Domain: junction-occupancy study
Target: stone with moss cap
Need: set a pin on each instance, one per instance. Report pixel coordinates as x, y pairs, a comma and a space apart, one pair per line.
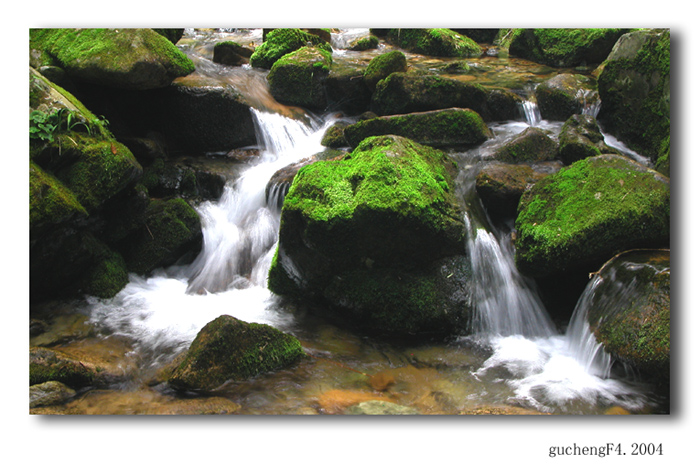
279, 42
384, 213
563, 47
383, 65
137, 59
406, 92
630, 311
587, 212
448, 127
435, 42
532, 144
227, 349
298, 77
580, 137
564, 95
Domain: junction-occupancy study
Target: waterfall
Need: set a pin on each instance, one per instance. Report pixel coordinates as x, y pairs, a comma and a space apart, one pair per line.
507, 304
530, 112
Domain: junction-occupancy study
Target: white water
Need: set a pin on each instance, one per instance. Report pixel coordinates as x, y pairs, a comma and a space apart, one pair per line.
164, 312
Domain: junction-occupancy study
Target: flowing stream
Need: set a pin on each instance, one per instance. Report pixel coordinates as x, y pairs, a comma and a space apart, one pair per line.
516, 356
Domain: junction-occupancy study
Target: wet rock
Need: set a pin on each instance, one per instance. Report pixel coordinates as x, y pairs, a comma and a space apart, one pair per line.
298, 78
49, 393
228, 349
380, 408
280, 42
124, 58
382, 66
563, 47
408, 92
635, 88
47, 364
580, 137
564, 95
448, 127
501, 185
364, 43
231, 54
334, 137
336, 401
434, 42
368, 233
579, 217
532, 144
630, 312
345, 89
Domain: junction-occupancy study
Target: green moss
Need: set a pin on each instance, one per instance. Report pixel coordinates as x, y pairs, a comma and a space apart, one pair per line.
228, 349
108, 277
383, 65
435, 42
297, 77
46, 365
280, 42
365, 43
530, 145
50, 202
588, 212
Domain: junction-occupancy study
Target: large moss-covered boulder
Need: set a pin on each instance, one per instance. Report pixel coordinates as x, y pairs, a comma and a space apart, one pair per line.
434, 42
298, 77
365, 234
563, 47
564, 95
227, 349
409, 92
382, 66
454, 126
137, 59
580, 137
50, 202
279, 42
171, 229
532, 144
635, 89
589, 211
630, 311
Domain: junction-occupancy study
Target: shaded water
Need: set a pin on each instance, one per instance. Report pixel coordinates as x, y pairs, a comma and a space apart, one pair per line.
515, 359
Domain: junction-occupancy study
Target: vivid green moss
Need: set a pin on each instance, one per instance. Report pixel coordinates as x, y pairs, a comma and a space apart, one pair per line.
435, 42
297, 77
365, 43
530, 145
590, 211
107, 277
383, 65
281, 42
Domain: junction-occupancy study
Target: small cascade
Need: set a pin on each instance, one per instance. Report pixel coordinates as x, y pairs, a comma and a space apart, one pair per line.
507, 304
276, 193
591, 102
531, 112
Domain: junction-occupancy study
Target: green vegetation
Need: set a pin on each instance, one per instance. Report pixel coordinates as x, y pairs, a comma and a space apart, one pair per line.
589, 211
435, 42
279, 42
383, 65
297, 77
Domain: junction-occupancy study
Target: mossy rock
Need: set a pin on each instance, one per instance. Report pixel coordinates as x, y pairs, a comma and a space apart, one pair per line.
563, 47
500, 186
382, 66
448, 127
364, 43
345, 89
564, 95
50, 202
172, 229
49, 393
227, 349
138, 59
47, 364
334, 137
409, 92
280, 42
435, 42
635, 89
630, 311
532, 144
589, 211
377, 214
298, 77
106, 278
503, 105
580, 137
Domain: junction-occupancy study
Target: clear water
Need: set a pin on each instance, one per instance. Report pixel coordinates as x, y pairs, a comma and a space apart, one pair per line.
515, 359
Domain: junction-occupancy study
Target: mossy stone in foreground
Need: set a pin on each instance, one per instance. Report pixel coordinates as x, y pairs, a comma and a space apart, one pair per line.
630, 312
229, 349
589, 211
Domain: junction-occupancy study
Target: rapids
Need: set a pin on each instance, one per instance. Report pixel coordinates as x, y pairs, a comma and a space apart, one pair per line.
517, 357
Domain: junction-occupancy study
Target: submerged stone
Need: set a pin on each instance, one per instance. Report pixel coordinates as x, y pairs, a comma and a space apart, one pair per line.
589, 211
229, 349
49, 393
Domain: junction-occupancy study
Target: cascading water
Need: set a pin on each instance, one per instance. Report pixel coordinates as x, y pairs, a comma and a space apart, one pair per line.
164, 312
